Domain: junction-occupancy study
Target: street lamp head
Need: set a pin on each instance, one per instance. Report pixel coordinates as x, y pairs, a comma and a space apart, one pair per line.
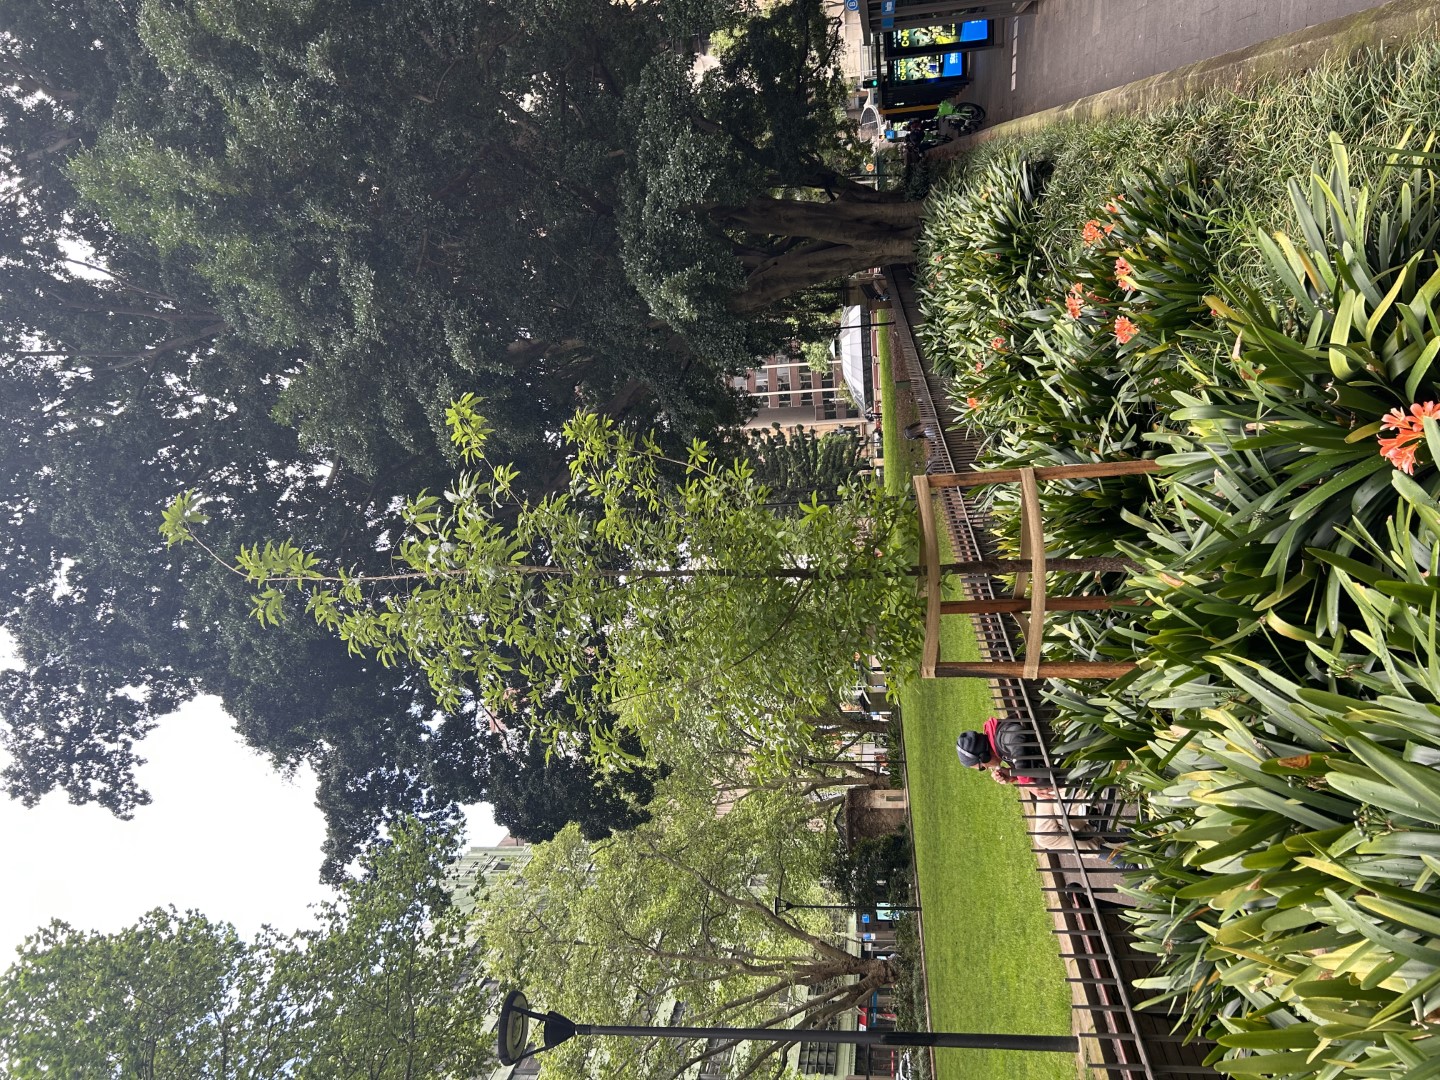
782, 906
513, 1029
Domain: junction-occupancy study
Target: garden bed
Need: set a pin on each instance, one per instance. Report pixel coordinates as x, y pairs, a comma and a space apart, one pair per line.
1216, 286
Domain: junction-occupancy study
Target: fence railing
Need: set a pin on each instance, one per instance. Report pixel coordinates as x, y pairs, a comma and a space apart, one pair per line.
1121, 1039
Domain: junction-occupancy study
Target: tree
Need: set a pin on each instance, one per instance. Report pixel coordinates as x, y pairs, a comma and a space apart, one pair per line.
645, 601
549, 791
799, 464
409, 200
83, 483
431, 185
160, 998
739, 197
384, 988
107, 410
676, 914
289, 216
876, 870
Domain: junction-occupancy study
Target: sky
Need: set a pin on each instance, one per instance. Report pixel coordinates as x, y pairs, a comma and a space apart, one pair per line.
225, 834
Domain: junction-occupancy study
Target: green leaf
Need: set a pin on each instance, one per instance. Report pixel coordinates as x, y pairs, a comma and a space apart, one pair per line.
1294, 1036
1317, 498
1264, 1064
1417, 374
1342, 363
1418, 782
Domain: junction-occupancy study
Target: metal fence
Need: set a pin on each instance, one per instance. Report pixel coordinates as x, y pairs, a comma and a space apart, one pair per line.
1083, 894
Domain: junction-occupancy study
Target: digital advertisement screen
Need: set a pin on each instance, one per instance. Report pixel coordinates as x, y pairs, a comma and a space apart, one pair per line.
917, 37
924, 68
974, 32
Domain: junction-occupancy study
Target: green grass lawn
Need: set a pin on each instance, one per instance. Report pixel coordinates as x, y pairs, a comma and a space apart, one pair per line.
991, 959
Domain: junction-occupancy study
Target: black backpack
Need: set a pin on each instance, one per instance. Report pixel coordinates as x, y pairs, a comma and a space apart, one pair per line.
1012, 743
973, 748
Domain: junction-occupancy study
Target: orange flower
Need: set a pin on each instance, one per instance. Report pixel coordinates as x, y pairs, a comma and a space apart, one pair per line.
1125, 330
1413, 421
972, 403
1430, 409
1091, 232
1399, 449
1124, 274
1077, 288
997, 343
979, 367
1108, 228
1073, 306
1113, 207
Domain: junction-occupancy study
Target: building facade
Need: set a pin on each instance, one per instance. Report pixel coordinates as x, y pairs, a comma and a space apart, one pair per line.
786, 391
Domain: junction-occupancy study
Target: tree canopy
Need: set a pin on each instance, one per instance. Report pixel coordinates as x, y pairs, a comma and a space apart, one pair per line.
676, 919
674, 610
260, 249
799, 465
385, 987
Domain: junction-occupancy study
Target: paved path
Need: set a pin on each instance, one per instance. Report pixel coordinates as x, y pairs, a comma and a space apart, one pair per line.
1067, 49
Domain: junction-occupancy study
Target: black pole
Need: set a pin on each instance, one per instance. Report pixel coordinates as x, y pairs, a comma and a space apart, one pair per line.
1059, 1044
785, 905
513, 1028
782, 906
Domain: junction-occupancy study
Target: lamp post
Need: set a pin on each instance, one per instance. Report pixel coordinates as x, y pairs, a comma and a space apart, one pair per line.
782, 906
513, 1033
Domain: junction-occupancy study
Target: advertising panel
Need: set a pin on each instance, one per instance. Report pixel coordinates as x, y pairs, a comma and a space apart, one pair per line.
910, 69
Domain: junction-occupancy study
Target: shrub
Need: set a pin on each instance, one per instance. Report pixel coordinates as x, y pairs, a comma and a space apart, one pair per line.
1283, 729
874, 871
1295, 834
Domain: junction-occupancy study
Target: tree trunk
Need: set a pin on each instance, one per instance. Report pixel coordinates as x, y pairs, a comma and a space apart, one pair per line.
848, 234
856, 723
820, 971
